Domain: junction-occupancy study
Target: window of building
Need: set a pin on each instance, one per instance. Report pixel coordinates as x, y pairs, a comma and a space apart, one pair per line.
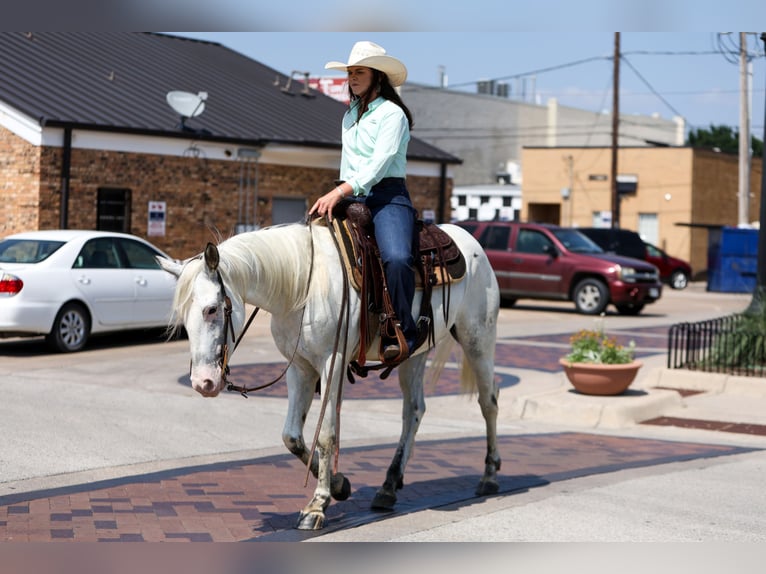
473, 213
507, 201
288, 209
113, 210
461, 200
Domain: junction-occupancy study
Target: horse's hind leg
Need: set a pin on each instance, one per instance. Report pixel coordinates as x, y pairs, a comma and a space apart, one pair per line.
488, 395
478, 339
413, 409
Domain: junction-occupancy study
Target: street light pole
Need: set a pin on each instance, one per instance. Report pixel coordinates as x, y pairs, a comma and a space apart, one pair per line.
759, 295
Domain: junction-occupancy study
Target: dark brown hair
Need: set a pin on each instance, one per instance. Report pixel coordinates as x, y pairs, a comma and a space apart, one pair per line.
382, 85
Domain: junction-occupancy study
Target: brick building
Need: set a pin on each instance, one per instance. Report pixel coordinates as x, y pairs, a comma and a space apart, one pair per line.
88, 140
670, 195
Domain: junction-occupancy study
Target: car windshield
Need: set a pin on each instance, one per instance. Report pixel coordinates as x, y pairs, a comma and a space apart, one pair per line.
575, 241
27, 250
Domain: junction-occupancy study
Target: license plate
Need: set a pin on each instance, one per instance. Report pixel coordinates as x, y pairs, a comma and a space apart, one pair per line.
654, 292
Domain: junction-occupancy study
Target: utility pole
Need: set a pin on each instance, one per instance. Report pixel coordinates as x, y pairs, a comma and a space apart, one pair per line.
744, 133
759, 296
570, 170
615, 130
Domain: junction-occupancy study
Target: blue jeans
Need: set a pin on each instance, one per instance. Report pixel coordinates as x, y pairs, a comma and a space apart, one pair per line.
394, 219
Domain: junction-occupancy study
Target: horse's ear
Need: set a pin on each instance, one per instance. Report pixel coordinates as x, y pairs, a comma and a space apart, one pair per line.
172, 267
211, 257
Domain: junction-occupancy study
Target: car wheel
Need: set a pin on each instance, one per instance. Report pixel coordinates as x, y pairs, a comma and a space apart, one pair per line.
591, 296
630, 308
679, 280
71, 329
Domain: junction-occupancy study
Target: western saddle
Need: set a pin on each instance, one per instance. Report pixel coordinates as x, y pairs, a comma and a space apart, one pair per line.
438, 261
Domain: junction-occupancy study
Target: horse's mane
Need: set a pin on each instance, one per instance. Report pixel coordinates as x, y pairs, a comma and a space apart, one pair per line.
277, 259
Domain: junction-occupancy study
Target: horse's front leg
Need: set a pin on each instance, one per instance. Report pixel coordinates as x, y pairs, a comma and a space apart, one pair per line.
413, 409
301, 387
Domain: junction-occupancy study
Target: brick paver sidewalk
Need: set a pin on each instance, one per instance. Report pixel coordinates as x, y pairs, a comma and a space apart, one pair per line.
253, 499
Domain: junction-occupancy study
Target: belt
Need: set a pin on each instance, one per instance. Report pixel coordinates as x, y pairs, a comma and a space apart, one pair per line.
385, 180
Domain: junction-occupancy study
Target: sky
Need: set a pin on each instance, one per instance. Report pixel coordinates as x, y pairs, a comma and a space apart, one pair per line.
695, 75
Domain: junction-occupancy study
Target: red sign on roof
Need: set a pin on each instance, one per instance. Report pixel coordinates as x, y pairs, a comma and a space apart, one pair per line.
336, 88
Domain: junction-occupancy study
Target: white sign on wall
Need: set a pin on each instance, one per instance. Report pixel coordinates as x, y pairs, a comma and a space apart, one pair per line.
157, 211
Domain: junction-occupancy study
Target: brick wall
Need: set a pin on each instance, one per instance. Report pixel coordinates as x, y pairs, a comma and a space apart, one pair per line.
201, 195
19, 184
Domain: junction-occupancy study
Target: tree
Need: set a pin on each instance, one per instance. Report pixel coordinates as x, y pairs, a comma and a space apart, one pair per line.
723, 138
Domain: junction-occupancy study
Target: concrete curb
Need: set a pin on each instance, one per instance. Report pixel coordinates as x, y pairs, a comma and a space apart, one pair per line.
566, 406
707, 382
655, 394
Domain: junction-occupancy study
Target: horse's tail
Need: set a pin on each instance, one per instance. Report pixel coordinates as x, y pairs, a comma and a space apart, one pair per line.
441, 355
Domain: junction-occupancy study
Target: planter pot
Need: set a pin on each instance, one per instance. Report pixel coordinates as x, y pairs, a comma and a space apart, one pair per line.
591, 379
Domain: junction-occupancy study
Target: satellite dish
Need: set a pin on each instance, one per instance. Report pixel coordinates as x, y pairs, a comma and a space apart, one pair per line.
186, 104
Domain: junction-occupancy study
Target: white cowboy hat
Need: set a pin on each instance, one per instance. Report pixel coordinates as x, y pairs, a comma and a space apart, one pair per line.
371, 55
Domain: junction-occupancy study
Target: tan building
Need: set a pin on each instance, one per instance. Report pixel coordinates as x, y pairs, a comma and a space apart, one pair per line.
670, 195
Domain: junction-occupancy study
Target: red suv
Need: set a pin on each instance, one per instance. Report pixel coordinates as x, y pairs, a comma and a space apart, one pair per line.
537, 261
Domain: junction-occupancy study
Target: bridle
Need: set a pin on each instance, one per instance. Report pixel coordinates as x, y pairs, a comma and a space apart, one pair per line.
228, 328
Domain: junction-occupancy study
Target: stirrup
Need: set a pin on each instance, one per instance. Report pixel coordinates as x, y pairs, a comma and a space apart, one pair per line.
391, 352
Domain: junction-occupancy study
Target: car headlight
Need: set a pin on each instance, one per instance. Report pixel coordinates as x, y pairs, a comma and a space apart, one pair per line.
627, 274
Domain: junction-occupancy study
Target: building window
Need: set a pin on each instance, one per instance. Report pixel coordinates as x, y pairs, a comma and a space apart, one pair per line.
461, 200
113, 211
507, 201
473, 213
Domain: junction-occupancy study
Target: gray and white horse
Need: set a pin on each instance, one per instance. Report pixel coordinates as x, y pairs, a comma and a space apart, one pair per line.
294, 272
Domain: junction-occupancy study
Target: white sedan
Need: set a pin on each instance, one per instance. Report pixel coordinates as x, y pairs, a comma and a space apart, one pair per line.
68, 284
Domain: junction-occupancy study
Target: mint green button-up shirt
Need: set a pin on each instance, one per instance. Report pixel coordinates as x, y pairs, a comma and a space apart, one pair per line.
374, 147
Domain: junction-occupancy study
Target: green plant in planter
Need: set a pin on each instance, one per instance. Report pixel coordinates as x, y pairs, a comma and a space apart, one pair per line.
744, 346
593, 346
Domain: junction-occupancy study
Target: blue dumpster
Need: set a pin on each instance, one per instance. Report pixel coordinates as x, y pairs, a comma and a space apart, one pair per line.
733, 260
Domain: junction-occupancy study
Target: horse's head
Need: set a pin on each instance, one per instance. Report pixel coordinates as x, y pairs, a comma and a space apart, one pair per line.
210, 315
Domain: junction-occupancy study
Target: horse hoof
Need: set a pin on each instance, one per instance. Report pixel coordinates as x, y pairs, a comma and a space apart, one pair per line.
340, 487
310, 521
487, 487
383, 501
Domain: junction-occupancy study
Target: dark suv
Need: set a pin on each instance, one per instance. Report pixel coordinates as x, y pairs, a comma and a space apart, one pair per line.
536, 261
676, 272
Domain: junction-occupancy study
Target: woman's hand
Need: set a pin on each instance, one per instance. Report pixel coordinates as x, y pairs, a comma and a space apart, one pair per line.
323, 206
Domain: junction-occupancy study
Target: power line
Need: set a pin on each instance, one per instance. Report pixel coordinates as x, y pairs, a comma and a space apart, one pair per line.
541, 70
648, 85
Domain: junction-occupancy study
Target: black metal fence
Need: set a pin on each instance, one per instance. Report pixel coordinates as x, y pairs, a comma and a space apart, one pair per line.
735, 344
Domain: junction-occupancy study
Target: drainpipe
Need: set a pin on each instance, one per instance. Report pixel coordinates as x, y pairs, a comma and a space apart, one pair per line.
66, 164
442, 193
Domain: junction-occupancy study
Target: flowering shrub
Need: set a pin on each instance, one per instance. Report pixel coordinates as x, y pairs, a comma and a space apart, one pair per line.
593, 346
